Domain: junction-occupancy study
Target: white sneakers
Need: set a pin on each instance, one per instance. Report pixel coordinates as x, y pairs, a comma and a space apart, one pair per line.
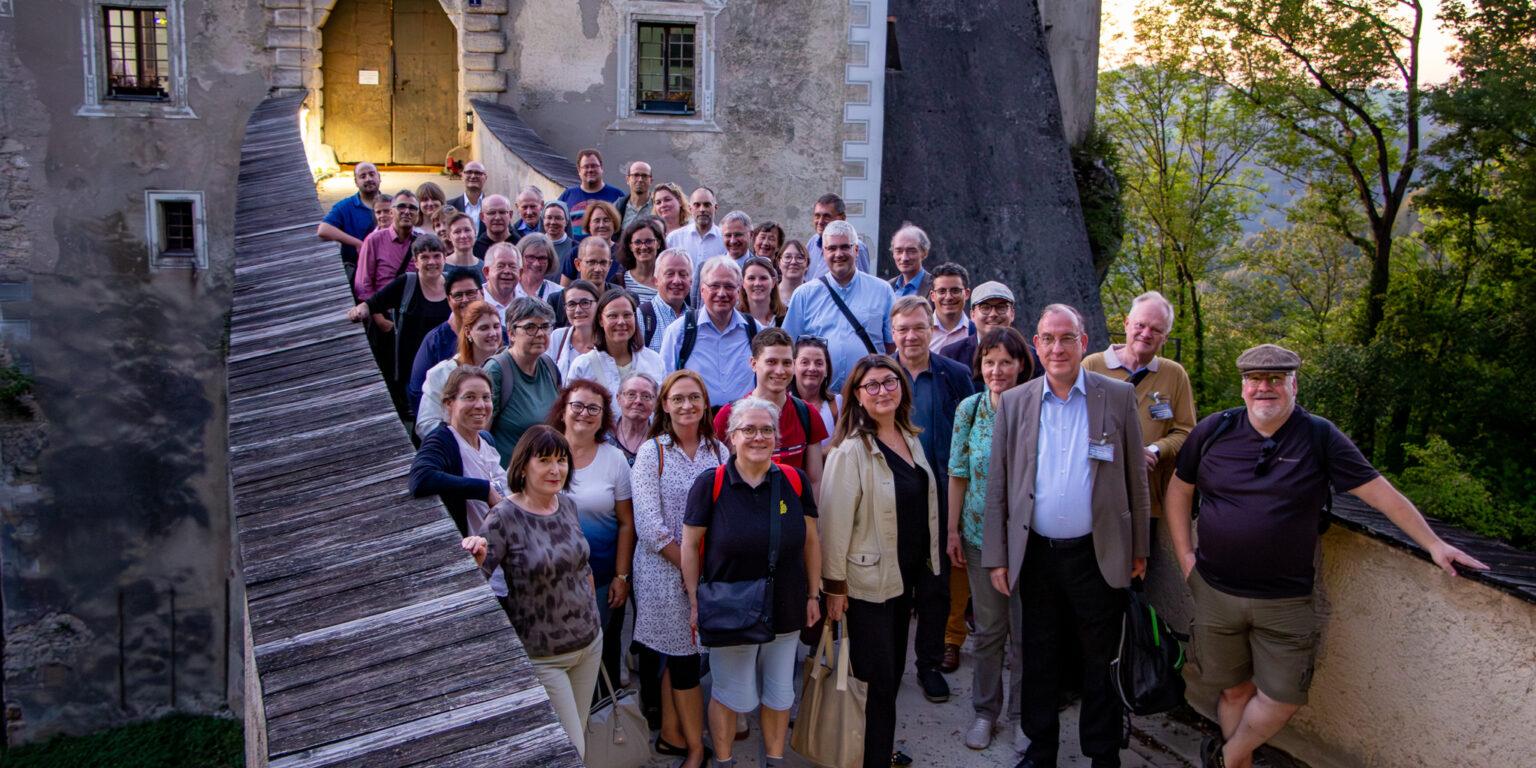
980, 734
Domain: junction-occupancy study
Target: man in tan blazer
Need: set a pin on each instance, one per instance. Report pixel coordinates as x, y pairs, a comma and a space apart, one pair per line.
1067, 525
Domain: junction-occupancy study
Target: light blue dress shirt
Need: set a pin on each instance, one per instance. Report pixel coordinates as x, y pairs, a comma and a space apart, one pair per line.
1063, 488
813, 313
722, 358
819, 264
909, 287
664, 318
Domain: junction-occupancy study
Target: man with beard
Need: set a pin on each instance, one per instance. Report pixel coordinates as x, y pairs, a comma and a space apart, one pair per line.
351, 219
637, 204
1266, 473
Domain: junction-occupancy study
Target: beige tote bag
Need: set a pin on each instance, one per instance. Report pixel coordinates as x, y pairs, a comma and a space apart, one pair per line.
829, 731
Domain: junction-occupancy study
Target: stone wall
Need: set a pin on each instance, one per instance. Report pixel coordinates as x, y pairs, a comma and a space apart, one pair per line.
115, 551
1415, 667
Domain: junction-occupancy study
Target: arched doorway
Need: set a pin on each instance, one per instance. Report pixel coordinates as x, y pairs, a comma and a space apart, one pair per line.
390, 70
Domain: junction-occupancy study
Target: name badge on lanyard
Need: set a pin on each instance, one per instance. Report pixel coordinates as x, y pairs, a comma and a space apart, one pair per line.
1101, 449
1160, 409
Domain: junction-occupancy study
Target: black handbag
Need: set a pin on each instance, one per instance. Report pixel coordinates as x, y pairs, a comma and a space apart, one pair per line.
741, 612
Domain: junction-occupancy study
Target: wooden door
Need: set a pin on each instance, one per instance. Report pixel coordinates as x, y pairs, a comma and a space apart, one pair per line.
356, 66
424, 119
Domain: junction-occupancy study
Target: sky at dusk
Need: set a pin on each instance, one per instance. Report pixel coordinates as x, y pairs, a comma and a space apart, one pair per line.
1115, 40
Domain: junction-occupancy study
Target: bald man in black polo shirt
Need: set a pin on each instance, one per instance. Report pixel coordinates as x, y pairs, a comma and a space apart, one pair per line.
1264, 472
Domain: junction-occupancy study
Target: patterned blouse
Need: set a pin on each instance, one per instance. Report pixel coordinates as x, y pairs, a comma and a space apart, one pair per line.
660, 496
549, 583
970, 454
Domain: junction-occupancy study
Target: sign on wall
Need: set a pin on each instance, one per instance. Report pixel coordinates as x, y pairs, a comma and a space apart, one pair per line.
367, 77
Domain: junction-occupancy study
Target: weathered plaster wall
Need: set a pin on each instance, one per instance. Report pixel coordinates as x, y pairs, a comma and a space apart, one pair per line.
778, 91
509, 170
1415, 668
116, 553
1072, 38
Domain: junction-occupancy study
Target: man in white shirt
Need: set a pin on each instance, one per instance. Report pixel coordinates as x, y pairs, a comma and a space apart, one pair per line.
701, 238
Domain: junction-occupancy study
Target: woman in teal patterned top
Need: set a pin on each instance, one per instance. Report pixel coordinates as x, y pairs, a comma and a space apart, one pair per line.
1003, 360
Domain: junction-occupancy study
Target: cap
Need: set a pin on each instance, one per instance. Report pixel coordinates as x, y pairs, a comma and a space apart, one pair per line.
1268, 357
991, 290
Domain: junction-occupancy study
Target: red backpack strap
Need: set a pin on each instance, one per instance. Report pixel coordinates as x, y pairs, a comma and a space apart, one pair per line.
719, 481
789, 474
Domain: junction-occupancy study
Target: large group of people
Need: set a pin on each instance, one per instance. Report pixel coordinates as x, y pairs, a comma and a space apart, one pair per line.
637, 413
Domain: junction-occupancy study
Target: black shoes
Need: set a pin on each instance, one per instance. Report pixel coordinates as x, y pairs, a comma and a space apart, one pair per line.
935, 687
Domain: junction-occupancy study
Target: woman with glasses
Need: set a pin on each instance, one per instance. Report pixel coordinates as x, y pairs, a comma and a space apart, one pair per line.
726, 535
759, 292
682, 447
617, 349
877, 482
1002, 359
524, 379
556, 220
811, 383
670, 205
637, 405
579, 300
457, 461
533, 539
480, 337
600, 489
404, 312
532, 280
638, 247
793, 262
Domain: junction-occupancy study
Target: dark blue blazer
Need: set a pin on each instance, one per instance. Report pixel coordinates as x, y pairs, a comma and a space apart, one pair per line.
438, 470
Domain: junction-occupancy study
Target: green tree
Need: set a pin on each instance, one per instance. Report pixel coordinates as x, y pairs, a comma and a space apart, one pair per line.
1341, 77
1184, 145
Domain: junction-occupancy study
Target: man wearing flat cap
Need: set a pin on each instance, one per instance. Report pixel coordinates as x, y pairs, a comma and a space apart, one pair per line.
1266, 472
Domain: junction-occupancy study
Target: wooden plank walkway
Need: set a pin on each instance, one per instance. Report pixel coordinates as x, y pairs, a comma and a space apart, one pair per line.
376, 641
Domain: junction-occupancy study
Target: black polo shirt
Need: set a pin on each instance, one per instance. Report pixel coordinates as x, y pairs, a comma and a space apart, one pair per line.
1258, 528
736, 542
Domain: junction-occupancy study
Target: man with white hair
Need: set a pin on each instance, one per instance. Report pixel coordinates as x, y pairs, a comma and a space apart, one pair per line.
674, 284
529, 204
717, 345
1165, 403
496, 220
909, 248
736, 231
503, 266
850, 309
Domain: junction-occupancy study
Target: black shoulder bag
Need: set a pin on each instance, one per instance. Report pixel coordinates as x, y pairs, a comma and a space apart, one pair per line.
741, 612
858, 327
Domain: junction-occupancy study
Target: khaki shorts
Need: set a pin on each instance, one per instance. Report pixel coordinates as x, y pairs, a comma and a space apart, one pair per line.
1272, 642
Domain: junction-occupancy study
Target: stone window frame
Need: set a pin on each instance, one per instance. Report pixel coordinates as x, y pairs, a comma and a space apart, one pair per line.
154, 227
94, 64
701, 14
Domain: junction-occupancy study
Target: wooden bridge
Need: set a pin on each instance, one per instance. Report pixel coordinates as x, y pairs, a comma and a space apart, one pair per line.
371, 638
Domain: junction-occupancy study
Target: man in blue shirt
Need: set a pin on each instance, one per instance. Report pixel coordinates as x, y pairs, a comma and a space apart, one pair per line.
351, 219
589, 166
938, 386
721, 351
909, 248
865, 328
674, 284
829, 208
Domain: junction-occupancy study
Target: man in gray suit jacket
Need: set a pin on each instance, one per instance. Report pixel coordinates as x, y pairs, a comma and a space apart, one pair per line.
1067, 524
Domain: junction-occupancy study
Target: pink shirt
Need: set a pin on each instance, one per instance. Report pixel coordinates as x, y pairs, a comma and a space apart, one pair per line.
380, 259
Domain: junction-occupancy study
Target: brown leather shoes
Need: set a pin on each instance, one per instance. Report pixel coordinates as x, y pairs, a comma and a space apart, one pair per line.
951, 660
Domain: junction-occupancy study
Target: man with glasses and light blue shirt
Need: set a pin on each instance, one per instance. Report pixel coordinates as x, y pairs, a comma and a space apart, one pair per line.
716, 343
830, 208
851, 310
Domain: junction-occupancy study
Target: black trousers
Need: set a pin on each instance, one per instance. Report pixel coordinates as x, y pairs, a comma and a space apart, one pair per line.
932, 599
1066, 600
877, 642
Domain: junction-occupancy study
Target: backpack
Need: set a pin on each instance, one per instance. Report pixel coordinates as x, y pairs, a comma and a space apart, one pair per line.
1147, 671
790, 475
691, 336
1320, 431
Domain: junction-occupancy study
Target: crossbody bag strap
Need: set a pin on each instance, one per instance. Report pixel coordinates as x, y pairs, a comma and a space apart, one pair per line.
774, 532
858, 327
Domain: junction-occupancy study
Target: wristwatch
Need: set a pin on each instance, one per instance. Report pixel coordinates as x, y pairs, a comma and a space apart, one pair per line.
623, 576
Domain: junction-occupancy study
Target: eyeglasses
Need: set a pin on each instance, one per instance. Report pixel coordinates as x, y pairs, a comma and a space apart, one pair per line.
948, 291
756, 433
889, 384
464, 295
407, 207
793, 257
637, 243
639, 175
1272, 380
990, 308
837, 248
533, 329
497, 214
590, 409
473, 173
693, 397
1066, 340
630, 397
580, 303
1266, 453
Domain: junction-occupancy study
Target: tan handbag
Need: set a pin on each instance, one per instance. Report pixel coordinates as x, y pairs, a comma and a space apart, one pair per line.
829, 731
617, 734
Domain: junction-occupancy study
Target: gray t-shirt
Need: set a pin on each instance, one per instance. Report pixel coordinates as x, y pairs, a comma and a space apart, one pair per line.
550, 598
527, 404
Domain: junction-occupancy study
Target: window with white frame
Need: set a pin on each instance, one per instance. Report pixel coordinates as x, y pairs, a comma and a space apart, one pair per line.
134, 59
666, 65
175, 229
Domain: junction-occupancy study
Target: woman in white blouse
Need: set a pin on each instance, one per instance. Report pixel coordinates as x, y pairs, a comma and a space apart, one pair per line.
574, 339
480, 338
617, 349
